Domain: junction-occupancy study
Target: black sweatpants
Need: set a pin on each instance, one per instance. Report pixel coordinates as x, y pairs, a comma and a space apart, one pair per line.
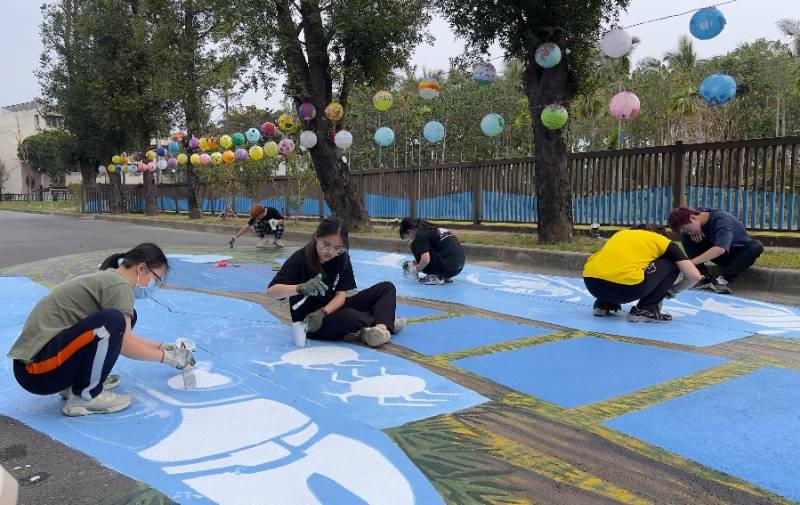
80, 357
278, 231
658, 278
374, 305
733, 262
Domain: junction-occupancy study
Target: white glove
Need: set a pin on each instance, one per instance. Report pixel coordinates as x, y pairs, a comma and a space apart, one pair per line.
178, 358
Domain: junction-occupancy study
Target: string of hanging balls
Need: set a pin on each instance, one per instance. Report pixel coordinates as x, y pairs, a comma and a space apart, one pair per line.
716, 89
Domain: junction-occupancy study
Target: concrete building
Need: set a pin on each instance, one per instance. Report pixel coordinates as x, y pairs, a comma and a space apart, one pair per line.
17, 122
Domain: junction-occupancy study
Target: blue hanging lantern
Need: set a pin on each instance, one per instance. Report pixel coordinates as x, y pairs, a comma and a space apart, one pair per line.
384, 136
253, 135
433, 132
707, 23
492, 124
718, 89
161, 151
174, 147
548, 55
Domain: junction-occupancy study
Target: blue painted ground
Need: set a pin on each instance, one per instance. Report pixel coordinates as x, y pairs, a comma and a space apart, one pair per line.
236, 277
746, 427
580, 371
459, 333
18, 295
412, 311
701, 318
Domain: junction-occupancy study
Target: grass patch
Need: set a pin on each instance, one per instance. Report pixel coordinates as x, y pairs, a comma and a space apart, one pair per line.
780, 258
70, 206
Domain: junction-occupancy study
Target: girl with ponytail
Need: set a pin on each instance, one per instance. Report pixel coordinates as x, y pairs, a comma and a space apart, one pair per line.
437, 252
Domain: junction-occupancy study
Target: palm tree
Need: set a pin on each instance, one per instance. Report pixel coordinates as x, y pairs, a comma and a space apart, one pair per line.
683, 57
791, 28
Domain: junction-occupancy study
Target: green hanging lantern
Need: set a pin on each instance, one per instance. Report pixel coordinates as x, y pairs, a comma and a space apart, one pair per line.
554, 117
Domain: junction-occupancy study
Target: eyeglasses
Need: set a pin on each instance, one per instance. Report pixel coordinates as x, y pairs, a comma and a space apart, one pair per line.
159, 281
327, 247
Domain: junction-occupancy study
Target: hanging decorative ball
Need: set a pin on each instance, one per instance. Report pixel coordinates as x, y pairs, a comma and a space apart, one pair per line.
203, 143
238, 139
194, 159
286, 147
256, 153
241, 154
111, 169
285, 122
718, 89
268, 129
141, 166
308, 139
101, 169
616, 43
182, 159
548, 55
174, 147
151, 166
194, 144
179, 136
253, 135
162, 164
624, 105
707, 23
151, 155
306, 111
334, 111
212, 143
226, 142
484, 72
172, 163
433, 131
492, 124
228, 157
131, 169
216, 158
205, 159
271, 149
123, 159
343, 139
161, 151
123, 168
384, 136
383, 100
115, 159
428, 89
554, 117
137, 156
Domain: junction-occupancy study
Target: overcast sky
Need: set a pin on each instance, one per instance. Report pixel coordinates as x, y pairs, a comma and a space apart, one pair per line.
747, 20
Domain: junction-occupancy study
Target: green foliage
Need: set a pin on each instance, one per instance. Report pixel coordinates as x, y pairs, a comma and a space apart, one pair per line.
51, 152
300, 175
238, 178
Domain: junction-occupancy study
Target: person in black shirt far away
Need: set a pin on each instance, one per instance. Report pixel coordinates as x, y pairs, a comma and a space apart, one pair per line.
437, 252
717, 236
265, 221
316, 280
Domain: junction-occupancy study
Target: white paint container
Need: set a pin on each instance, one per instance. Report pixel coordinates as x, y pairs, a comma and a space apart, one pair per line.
299, 332
186, 343
9, 489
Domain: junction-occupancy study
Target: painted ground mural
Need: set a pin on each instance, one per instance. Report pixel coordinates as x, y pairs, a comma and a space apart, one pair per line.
503, 389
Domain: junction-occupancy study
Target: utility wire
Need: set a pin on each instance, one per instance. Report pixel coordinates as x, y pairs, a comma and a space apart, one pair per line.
654, 20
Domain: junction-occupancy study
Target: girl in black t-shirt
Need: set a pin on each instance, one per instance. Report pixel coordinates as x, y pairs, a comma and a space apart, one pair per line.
316, 279
437, 252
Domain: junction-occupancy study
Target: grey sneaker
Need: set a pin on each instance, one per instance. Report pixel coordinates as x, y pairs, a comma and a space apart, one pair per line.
111, 382
720, 285
277, 243
375, 337
104, 403
431, 280
399, 324
263, 243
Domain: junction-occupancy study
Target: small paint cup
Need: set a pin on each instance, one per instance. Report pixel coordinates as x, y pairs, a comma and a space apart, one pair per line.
185, 343
299, 332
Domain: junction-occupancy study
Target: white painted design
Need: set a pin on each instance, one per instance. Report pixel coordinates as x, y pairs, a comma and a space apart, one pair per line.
392, 260
526, 285
385, 386
775, 318
311, 358
232, 454
199, 258
204, 377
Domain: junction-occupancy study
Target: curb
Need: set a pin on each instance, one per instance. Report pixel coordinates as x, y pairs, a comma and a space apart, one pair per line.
782, 281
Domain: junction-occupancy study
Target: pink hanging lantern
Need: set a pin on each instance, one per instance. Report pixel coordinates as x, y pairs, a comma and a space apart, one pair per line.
624, 105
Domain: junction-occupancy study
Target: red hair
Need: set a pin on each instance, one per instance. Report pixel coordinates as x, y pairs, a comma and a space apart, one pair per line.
256, 210
680, 217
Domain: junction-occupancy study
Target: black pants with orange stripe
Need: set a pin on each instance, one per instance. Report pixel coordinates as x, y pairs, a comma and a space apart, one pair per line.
80, 357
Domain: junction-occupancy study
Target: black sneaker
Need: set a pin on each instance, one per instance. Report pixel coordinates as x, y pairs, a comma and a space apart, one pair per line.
704, 283
602, 309
720, 285
431, 279
448, 280
637, 315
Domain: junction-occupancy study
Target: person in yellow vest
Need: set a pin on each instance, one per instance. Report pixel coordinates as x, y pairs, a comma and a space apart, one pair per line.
638, 264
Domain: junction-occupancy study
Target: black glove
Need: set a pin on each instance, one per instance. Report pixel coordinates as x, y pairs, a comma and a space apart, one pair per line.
232, 240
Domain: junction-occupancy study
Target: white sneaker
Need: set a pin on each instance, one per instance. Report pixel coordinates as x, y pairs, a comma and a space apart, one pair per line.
277, 243
106, 402
263, 243
111, 382
375, 337
399, 324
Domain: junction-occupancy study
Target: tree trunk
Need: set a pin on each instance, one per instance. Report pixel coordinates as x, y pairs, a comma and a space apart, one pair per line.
150, 207
337, 186
192, 107
115, 198
554, 199
88, 174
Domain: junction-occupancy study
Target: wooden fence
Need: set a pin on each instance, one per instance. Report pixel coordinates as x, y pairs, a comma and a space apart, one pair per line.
756, 180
